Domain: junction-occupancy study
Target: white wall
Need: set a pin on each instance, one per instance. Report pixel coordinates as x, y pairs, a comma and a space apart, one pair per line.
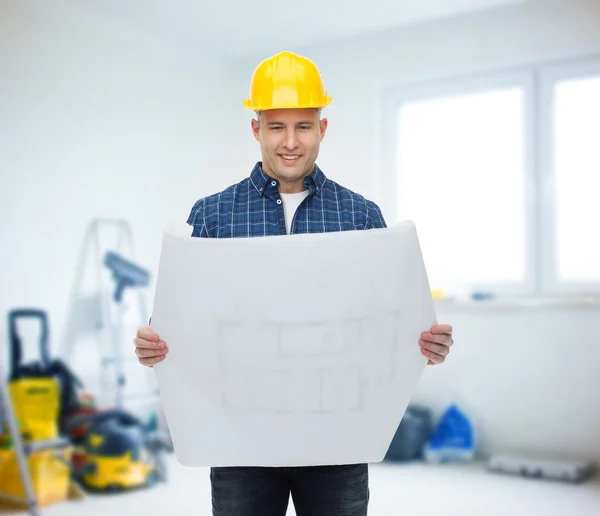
96, 121
528, 377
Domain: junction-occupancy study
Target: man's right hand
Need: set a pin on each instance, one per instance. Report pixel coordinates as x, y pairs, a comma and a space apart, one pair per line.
148, 347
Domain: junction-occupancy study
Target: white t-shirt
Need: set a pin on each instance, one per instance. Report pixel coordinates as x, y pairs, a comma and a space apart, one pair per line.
291, 201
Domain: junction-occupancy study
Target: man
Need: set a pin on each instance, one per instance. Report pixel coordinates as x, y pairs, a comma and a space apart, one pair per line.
287, 193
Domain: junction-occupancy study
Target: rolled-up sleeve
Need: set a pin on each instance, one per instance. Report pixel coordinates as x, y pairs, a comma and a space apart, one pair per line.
375, 218
197, 221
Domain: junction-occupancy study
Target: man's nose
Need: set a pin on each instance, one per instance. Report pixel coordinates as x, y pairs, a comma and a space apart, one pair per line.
290, 141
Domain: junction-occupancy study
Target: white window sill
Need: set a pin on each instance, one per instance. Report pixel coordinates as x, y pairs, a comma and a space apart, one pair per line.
519, 303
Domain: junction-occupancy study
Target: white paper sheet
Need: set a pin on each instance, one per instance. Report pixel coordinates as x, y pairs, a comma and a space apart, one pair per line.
290, 350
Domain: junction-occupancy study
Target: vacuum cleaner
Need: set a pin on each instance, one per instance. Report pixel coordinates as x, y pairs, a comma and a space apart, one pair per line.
119, 453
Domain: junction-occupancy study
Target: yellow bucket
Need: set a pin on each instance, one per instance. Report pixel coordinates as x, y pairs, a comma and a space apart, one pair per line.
49, 471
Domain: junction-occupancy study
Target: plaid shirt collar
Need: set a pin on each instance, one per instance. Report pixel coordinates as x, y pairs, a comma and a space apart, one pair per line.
266, 184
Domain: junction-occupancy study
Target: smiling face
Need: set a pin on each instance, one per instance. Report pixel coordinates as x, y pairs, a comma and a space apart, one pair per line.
289, 143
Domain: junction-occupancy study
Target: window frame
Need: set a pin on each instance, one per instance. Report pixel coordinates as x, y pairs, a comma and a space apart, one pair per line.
549, 75
393, 98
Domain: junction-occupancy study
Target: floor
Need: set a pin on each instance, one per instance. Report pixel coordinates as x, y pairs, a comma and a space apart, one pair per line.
414, 489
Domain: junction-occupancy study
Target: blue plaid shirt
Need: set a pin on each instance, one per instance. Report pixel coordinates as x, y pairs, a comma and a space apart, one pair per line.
254, 208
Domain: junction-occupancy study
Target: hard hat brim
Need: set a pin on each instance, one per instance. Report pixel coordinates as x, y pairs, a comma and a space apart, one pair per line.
257, 107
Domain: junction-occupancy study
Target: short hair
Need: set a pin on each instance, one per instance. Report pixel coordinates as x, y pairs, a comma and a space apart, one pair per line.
320, 110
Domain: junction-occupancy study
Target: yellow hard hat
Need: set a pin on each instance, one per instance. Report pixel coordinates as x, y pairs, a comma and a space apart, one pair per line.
286, 80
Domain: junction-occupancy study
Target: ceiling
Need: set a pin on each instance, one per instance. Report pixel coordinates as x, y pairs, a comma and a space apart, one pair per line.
236, 29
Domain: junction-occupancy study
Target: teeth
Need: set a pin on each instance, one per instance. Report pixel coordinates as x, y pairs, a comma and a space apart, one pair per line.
289, 157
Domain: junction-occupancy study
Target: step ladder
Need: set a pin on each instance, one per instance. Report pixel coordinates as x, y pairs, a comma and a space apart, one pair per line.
7, 417
107, 286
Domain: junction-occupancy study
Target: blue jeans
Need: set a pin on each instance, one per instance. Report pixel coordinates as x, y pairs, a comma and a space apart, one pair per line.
316, 491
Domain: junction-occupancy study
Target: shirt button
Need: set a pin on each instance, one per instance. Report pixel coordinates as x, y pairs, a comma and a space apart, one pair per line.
274, 183
278, 201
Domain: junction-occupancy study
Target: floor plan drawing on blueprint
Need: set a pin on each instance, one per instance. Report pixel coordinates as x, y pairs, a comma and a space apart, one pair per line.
317, 367
295, 365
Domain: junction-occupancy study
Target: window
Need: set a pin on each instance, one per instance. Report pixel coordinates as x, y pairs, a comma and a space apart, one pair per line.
461, 174
501, 175
576, 178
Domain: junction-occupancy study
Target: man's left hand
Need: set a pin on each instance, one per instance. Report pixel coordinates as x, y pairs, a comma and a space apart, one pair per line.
435, 344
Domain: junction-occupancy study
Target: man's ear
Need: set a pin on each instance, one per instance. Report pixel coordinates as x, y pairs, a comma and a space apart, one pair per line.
323, 127
255, 129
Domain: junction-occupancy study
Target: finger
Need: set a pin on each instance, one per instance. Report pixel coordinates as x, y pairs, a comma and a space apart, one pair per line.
149, 353
149, 362
441, 328
146, 344
433, 357
146, 333
439, 349
444, 339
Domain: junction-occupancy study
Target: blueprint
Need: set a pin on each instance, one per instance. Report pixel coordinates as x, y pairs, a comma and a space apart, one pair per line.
289, 350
